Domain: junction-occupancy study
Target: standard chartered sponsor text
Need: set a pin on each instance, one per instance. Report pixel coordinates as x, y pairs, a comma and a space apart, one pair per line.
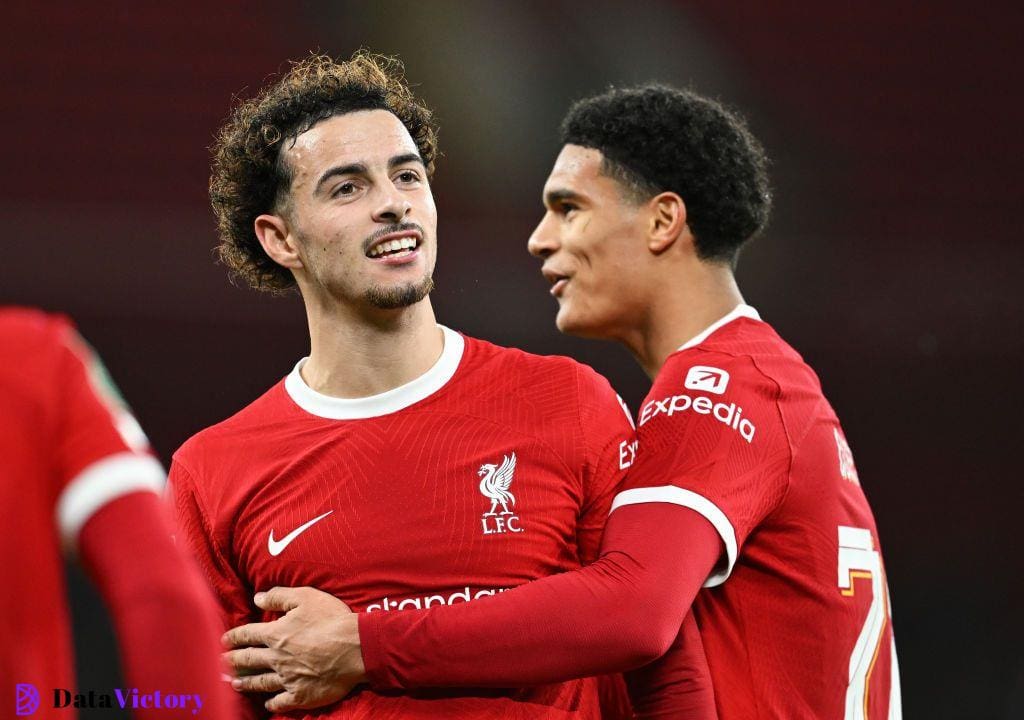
464, 594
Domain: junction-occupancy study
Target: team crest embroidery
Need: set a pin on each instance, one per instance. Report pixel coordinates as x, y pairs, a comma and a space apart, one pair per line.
495, 481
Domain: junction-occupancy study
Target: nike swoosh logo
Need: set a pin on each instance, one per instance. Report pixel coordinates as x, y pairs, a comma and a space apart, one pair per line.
277, 546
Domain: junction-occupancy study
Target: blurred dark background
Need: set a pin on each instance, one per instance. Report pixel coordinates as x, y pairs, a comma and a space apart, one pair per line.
893, 261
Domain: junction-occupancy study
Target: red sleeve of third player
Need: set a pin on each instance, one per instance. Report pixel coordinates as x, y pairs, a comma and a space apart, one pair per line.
100, 452
711, 438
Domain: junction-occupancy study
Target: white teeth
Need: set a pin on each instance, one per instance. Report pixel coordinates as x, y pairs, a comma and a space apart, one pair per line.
406, 243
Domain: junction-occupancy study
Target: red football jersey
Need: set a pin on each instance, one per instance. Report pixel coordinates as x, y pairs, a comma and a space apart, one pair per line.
494, 468
68, 446
796, 620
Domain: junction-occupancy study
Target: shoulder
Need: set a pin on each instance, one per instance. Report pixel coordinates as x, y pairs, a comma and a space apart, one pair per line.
482, 353
554, 377
747, 352
512, 367
29, 328
227, 436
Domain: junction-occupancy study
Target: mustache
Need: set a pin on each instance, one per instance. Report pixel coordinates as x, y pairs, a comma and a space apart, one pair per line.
393, 228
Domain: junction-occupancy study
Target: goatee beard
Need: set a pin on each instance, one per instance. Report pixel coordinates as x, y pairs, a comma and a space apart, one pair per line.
392, 298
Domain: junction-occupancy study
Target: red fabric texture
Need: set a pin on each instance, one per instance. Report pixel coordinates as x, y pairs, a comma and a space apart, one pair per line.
164, 616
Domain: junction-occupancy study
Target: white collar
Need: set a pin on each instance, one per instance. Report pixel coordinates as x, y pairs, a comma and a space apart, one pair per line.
741, 310
335, 408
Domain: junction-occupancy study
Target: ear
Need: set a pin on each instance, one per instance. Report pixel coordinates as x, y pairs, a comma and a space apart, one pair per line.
278, 241
667, 221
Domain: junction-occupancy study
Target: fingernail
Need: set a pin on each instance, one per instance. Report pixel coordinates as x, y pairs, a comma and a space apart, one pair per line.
259, 597
236, 684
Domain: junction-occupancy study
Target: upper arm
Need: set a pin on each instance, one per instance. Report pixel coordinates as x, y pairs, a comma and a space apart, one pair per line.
196, 533
718, 447
100, 452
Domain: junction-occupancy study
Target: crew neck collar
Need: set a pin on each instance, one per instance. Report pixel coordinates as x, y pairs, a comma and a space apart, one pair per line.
385, 403
741, 310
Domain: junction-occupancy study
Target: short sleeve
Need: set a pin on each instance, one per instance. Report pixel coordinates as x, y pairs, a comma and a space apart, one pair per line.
609, 444
194, 531
711, 438
99, 451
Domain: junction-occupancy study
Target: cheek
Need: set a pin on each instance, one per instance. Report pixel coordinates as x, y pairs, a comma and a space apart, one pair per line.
428, 214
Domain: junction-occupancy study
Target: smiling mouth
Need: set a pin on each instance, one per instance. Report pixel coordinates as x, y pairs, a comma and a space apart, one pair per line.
558, 281
394, 246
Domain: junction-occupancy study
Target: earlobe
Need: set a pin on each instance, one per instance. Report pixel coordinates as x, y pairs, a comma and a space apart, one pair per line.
277, 241
667, 222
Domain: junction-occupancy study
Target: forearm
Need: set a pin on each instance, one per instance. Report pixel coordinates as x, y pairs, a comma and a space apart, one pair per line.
619, 613
165, 620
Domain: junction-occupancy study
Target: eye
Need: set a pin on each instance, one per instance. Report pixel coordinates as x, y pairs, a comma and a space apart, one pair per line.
566, 208
346, 188
408, 176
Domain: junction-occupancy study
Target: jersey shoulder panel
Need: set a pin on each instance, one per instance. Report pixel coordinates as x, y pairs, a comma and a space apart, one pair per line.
558, 393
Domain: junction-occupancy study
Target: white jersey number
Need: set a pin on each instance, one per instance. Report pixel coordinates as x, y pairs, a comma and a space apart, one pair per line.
859, 559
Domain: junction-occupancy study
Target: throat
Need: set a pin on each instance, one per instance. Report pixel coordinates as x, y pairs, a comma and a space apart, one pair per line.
356, 360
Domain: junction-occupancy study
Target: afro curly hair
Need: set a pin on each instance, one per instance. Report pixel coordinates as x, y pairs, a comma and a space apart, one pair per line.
656, 138
248, 175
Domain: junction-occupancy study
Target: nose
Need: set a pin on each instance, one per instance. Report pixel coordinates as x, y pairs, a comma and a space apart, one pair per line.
392, 207
544, 240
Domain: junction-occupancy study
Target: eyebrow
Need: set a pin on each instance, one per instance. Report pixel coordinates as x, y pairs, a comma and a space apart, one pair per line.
360, 168
553, 197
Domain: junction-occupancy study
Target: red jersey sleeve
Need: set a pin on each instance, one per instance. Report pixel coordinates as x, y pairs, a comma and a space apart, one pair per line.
196, 532
609, 443
711, 438
99, 449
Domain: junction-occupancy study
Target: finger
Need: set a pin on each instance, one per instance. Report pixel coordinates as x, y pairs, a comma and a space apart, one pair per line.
281, 599
282, 702
251, 634
265, 683
249, 659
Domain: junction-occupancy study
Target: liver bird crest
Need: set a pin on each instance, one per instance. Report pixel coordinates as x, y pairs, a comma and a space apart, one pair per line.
494, 484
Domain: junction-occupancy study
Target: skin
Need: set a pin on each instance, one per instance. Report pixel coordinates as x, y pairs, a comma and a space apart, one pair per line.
620, 270
322, 235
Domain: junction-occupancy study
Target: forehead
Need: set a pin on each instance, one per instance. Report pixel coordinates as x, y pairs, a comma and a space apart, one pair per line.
578, 169
366, 136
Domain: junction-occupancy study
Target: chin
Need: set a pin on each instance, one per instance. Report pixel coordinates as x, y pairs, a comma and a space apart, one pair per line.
579, 325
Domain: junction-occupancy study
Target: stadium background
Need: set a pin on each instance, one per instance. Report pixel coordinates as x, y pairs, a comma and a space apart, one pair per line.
893, 262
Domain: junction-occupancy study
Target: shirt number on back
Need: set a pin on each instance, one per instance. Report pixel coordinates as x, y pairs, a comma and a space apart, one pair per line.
858, 559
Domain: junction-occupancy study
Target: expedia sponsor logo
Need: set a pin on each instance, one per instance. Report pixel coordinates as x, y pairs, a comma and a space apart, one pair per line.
728, 414
707, 378
424, 601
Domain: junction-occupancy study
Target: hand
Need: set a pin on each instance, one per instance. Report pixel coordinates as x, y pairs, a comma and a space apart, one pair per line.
311, 656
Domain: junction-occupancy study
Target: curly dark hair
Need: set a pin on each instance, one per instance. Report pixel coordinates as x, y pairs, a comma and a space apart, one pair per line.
656, 138
249, 176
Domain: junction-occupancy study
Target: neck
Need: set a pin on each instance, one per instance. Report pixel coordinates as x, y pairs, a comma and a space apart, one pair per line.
355, 353
683, 308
